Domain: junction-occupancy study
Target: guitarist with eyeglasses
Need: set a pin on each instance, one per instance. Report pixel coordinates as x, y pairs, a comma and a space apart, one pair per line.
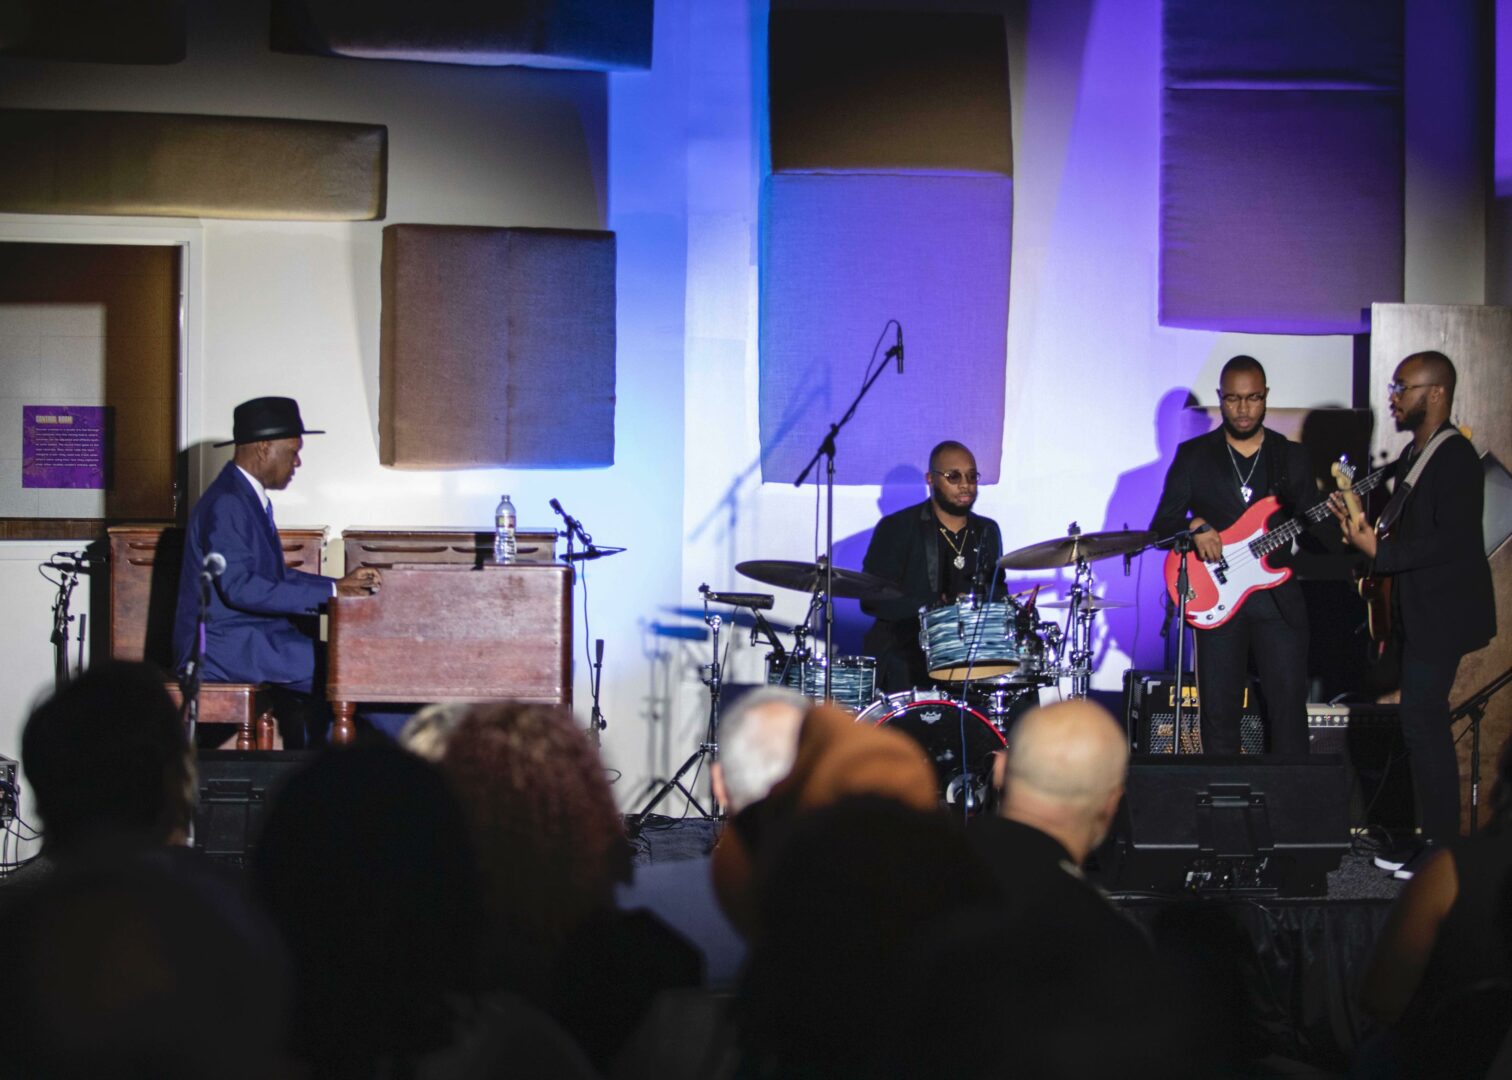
1217, 479
1428, 546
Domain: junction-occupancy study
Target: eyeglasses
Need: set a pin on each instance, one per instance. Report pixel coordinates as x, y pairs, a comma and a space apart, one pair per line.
1397, 389
1248, 399
955, 476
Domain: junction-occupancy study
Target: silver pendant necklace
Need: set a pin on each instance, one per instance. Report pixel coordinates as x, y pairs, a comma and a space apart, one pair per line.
959, 562
1245, 490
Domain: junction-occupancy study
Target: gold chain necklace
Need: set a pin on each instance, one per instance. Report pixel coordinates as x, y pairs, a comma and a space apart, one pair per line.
959, 562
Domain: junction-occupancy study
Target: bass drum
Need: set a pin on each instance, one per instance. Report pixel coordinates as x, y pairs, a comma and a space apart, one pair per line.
957, 739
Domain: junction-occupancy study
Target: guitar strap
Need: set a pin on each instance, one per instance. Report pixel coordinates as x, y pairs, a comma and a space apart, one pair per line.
1398, 500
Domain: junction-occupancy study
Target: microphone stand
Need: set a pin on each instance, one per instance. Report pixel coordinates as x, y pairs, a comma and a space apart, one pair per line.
596, 722
1475, 708
827, 450
1181, 543
68, 580
194, 673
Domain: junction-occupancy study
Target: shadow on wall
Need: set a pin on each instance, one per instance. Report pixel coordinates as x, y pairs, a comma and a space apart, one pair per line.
1139, 631
902, 486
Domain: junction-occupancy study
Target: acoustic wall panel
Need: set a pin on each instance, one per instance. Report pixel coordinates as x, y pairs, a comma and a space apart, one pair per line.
1281, 207
597, 35
95, 31
497, 347
841, 255
159, 164
890, 92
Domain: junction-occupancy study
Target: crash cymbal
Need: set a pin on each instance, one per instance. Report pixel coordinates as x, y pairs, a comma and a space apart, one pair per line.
1068, 549
807, 577
1092, 603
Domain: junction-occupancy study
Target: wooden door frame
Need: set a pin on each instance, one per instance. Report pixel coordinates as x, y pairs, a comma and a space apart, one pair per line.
188, 235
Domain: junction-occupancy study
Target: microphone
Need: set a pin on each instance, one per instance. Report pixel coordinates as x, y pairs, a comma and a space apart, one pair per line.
756, 601
214, 565
558, 508
598, 652
897, 349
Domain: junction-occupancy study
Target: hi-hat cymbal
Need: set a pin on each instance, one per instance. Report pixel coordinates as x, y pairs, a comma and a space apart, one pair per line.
808, 577
1091, 603
1067, 550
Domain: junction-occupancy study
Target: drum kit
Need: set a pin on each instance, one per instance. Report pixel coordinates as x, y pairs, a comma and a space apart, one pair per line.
988, 657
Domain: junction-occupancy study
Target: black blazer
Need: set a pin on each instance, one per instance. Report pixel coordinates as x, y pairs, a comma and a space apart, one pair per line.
1436, 555
905, 550
1201, 483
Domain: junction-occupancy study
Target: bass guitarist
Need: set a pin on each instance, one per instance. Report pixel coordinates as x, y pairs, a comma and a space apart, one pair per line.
1428, 544
1215, 478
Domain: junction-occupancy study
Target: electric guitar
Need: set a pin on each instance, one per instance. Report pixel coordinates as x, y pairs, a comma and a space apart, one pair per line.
1375, 591
1217, 590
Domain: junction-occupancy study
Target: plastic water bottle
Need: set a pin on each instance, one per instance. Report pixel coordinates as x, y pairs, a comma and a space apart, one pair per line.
504, 531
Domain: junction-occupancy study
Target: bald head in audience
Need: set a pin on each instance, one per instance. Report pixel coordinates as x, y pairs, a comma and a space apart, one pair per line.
758, 742
1064, 773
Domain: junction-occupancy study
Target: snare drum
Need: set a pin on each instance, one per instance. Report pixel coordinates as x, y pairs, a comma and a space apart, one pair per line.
853, 683
941, 726
970, 639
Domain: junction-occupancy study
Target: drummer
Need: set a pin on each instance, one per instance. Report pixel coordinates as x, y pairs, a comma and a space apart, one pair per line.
935, 552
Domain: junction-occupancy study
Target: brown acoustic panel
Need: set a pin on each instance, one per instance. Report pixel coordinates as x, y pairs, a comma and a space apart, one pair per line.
594, 35
171, 165
497, 347
97, 31
863, 91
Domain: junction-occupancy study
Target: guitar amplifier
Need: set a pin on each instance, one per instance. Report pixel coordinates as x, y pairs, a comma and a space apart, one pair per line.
1376, 767
1150, 714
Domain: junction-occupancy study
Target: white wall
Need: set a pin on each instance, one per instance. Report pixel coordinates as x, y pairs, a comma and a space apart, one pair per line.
671, 160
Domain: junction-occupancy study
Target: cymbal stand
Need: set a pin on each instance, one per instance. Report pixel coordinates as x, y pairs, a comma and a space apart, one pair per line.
827, 451
709, 748
1078, 632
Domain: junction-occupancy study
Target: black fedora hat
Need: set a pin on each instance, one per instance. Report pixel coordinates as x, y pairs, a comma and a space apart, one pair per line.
267, 418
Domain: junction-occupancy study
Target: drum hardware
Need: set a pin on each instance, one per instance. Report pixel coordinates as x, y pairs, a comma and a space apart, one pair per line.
827, 451
706, 749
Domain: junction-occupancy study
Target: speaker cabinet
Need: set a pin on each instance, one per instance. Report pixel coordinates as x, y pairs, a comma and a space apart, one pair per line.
1271, 825
235, 789
1379, 774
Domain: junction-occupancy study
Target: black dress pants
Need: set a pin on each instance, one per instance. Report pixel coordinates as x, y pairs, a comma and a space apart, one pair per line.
1426, 683
1280, 651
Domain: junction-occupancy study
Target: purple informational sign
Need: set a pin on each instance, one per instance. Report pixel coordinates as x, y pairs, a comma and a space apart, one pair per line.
63, 446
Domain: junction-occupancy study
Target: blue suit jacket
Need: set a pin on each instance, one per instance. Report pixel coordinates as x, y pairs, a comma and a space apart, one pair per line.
251, 631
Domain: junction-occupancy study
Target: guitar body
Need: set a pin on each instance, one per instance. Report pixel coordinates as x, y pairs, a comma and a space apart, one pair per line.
1376, 592
1215, 591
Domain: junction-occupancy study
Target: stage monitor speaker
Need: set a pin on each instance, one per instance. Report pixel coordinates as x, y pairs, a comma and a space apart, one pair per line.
235, 789
1379, 775
1150, 714
1271, 825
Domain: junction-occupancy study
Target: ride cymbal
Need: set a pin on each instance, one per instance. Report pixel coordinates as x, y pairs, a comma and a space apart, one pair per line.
1068, 550
809, 577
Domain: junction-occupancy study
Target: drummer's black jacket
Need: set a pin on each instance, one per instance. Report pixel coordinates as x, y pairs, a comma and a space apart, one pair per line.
905, 550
